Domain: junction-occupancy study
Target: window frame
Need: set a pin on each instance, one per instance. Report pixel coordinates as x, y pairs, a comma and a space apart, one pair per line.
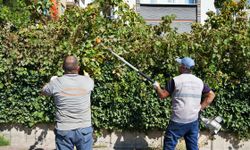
170, 3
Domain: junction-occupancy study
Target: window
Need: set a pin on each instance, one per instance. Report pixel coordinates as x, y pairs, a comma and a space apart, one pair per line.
167, 1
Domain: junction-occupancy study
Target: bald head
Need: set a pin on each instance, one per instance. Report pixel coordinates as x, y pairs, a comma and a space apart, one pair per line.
70, 65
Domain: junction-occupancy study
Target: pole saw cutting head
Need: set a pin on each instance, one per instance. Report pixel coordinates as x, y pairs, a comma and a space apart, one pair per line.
212, 124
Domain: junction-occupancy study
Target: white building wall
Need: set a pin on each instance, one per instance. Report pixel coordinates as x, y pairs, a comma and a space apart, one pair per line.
84, 3
131, 3
87, 2
206, 5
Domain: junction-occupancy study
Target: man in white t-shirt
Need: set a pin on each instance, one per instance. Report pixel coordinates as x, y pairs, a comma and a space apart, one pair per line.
71, 94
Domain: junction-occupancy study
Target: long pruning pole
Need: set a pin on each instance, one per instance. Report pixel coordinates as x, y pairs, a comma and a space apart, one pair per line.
99, 41
130, 65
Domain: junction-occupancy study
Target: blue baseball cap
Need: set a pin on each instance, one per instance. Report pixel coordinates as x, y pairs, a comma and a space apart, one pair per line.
186, 61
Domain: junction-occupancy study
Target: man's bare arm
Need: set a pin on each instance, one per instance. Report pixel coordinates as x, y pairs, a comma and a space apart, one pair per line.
209, 97
46, 90
160, 92
42, 90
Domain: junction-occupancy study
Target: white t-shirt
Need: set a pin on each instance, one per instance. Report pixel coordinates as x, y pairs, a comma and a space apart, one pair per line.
71, 94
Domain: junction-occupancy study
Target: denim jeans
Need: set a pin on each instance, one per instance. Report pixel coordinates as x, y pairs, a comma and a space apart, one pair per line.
177, 130
81, 138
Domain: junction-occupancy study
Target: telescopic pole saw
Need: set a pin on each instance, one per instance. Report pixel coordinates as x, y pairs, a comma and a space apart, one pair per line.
131, 66
213, 124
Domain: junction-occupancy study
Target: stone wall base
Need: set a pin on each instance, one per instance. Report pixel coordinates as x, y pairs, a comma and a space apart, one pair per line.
42, 137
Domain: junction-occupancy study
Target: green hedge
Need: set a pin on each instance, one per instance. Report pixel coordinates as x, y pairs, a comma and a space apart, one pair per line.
122, 99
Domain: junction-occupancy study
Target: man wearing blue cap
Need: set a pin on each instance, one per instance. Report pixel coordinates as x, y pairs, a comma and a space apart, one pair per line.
186, 91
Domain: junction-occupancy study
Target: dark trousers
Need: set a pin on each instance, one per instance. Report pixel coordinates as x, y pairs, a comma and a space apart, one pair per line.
176, 130
80, 138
